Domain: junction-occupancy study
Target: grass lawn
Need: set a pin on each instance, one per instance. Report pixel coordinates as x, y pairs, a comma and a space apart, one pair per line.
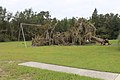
96, 57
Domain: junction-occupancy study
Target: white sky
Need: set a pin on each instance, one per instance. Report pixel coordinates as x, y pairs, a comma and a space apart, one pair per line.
64, 8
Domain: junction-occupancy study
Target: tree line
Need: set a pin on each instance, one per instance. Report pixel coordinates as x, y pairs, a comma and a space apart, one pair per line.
107, 25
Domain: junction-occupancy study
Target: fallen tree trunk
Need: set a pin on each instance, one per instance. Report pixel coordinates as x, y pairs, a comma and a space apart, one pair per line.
100, 40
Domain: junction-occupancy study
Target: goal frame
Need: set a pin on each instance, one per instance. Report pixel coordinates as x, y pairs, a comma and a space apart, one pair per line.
23, 34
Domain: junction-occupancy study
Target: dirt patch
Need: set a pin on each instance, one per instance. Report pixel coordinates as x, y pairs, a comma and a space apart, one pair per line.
25, 77
1, 72
12, 61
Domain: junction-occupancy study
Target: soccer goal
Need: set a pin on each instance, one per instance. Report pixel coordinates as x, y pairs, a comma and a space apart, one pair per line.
22, 25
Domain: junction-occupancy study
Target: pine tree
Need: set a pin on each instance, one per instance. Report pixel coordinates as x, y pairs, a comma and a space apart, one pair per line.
94, 15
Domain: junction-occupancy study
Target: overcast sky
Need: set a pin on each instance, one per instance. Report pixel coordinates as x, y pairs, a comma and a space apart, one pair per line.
64, 8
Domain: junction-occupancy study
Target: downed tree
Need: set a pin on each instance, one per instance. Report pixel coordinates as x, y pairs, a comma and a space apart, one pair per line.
80, 34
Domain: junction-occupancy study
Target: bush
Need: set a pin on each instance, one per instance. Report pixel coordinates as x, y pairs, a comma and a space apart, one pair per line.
4, 38
119, 41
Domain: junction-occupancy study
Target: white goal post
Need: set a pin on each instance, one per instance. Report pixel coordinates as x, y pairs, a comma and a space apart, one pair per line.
22, 29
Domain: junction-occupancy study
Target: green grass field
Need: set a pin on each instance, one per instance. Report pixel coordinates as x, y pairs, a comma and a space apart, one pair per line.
95, 57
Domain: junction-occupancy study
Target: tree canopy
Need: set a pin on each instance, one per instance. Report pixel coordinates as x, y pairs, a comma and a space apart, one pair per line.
107, 25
